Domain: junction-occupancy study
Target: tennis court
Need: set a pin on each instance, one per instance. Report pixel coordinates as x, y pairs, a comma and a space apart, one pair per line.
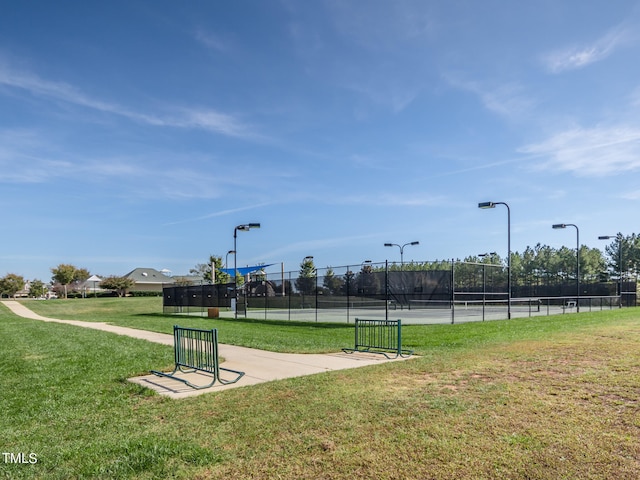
465, 292
421, 312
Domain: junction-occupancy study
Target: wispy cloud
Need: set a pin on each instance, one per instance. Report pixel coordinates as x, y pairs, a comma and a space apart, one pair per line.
387, 26
169, 176
394, 200
23, 158
221, 213
179, 117
367, 198
46, 88
319, 244
211, 41
369, 162
589, 152
111, 168
394, 93
635, 195
210, 120
579, 56
507, 99
634, 98
367, 51
39, 173
33, 156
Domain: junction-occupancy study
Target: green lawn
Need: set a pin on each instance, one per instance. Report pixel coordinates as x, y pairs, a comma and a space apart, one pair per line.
545, 398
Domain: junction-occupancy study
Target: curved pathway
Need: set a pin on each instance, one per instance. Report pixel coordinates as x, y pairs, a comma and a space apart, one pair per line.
259, 365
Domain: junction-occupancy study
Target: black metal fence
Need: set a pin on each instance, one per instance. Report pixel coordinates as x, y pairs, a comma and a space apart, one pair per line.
448, 292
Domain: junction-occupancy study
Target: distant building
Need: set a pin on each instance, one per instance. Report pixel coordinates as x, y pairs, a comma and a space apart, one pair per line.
91, 286
186, 280
149, 280
24, 292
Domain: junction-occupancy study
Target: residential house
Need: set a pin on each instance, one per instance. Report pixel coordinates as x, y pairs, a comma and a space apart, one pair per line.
149, 280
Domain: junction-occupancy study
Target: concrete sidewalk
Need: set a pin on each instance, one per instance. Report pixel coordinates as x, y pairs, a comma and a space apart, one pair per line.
259, 365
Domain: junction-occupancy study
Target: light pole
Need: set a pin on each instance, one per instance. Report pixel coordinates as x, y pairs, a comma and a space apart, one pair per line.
226, 258
365, 268
484, 279
306, 268
485, 205
243, 228
401, 247
565, 225
619, 238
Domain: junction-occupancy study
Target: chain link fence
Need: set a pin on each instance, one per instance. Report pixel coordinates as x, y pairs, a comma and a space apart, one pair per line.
440, 292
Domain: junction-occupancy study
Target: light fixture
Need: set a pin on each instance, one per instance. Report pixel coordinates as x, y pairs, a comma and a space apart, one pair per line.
485, 205
243, 228
619, 285
401, 247
565, 225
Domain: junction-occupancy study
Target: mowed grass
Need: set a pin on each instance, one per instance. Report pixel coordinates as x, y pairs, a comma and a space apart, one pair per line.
146, 313
547, 398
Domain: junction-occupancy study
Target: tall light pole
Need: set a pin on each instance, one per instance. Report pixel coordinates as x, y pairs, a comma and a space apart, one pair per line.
243, 228
226, 258
619, 238
365, 268
306, 268
484, 279
493, 205
565, 225
401, 247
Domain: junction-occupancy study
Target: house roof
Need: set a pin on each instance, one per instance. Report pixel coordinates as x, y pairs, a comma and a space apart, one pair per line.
149, 275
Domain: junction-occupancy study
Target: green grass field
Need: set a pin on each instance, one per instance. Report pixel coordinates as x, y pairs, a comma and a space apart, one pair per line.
545, 398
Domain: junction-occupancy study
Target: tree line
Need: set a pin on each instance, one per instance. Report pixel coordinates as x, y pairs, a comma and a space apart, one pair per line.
538, 265
545, 264
535, 266
64, 277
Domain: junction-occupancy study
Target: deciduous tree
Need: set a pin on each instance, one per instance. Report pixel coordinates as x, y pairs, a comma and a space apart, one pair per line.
11, 284
37, 289
120, 285
63, 274
204, 270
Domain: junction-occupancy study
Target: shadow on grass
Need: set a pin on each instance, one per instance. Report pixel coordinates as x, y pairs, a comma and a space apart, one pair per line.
254, 321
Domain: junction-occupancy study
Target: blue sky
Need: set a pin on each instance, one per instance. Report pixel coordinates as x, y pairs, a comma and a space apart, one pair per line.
140, 133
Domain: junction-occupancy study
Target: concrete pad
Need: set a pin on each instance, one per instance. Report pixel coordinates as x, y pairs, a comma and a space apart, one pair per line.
259, 366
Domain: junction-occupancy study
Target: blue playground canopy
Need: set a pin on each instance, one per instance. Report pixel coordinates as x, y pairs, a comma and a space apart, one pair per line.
245, 270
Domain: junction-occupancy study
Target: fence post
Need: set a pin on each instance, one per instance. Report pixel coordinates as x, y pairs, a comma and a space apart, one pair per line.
386, 290
348, 291
453, 288
290, 295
